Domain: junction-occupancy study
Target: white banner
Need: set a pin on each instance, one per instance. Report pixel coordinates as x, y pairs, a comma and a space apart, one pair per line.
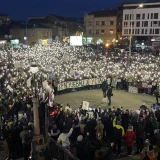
85, 105
133, 89
29, 82
80, 83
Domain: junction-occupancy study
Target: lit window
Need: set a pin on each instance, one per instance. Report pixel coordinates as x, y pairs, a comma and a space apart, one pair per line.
111, 31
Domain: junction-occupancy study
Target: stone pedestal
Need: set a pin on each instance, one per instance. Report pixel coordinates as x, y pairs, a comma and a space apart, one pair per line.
37, 138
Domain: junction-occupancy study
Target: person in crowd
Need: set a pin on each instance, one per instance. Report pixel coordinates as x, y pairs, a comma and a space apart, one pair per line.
108, 127
118, 133
41, 149
26, 137
80, 148
90, 127
139, 130
9, 137
104, 88
125, 119
130, 136
63, 138
149, 153
54, 133
109, 95
157, 137
99, 127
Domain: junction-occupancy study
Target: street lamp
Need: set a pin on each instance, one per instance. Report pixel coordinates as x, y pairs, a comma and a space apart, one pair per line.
130, 38
34, 69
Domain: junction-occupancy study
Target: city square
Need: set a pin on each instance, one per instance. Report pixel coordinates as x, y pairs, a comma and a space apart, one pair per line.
80, 81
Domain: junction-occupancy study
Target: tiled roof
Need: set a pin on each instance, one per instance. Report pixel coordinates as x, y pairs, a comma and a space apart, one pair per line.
104, 13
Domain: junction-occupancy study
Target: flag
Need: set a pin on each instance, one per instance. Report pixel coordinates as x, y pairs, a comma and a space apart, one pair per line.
77, 74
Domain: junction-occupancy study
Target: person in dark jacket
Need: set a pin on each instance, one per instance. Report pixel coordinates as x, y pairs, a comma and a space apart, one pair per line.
125, 120
104, 88
117, 136
90, 127
139, 129
80, 148
109, 95
108, 127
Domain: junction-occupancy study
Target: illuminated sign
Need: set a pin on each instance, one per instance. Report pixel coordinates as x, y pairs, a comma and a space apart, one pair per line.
76, 40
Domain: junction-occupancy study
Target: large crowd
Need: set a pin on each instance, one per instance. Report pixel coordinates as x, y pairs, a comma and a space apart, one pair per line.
96, 133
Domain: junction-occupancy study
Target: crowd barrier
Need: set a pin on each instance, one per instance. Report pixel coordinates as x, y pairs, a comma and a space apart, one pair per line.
59, 153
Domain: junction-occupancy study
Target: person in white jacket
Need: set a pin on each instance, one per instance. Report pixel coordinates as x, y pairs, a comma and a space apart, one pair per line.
64, 138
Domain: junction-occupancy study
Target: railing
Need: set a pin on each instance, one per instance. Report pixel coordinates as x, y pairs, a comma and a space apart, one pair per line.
59, 153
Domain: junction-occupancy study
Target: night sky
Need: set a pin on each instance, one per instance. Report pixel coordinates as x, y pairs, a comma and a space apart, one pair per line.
21, 9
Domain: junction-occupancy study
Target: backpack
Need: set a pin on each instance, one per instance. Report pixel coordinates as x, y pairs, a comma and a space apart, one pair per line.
28, 138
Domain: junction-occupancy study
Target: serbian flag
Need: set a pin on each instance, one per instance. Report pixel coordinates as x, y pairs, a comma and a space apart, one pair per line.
77, 74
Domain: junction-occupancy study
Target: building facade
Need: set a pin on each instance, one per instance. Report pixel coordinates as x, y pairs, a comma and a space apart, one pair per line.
141, 23
100, 26
31, 33
4, 19
119, 22
69, 26
61, 26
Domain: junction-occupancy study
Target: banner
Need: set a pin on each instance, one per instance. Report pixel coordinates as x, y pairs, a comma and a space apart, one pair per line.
80, 83
29, 82
85, 105
133, 89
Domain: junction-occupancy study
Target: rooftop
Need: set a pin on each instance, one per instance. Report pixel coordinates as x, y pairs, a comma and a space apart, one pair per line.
21, 24
71, 19
139, 2
37, 20
104, 13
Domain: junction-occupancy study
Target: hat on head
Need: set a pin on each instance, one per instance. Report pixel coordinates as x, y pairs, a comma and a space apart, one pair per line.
79, 138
